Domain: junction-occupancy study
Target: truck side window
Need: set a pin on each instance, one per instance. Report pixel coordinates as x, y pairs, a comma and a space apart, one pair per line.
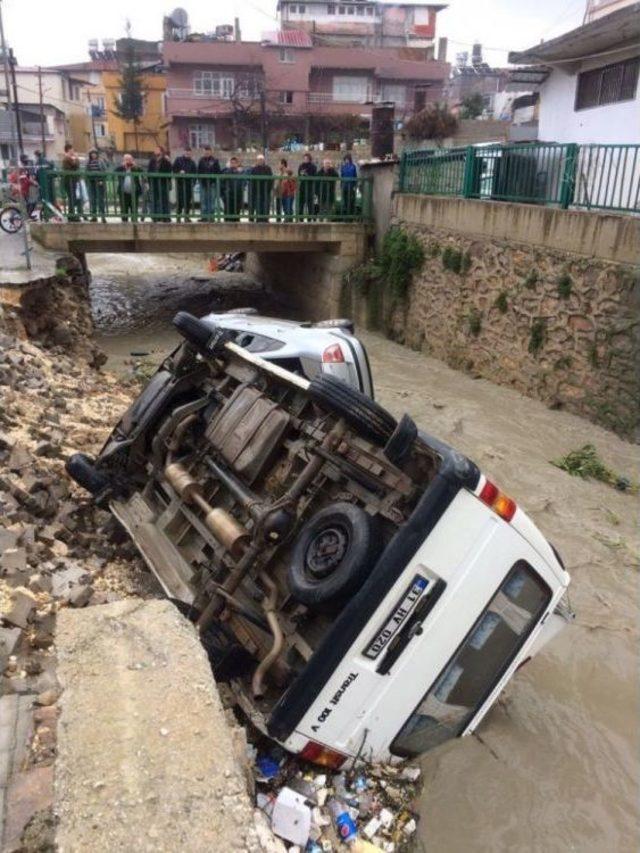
481, 659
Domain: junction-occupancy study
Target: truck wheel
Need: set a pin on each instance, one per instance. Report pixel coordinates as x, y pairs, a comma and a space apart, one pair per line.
401, 442
333, 554
358, 410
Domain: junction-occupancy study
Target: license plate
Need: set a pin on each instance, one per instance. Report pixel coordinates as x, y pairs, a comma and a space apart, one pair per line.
397, 617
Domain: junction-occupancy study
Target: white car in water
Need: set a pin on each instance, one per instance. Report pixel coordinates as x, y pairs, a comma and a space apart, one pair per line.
308, 349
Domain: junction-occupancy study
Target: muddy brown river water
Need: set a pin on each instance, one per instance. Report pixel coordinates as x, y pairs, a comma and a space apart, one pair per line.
555, 764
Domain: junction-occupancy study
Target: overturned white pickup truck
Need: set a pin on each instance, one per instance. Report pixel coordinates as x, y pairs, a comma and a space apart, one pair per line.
363, 587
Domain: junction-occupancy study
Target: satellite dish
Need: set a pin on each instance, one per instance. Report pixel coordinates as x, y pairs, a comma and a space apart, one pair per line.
179, 17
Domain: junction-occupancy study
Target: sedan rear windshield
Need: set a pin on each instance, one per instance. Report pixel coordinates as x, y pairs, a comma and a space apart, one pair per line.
478, 664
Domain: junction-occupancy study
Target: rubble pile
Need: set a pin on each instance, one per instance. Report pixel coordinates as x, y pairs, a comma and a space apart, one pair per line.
369, 808
56, 549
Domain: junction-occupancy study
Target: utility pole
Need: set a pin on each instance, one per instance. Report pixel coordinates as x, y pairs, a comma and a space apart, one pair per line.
7, 74
14, 128
263, 121
16, 105
42, 121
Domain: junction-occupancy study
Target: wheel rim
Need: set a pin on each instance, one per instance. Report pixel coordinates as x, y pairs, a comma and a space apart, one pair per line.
326, 551
11, 221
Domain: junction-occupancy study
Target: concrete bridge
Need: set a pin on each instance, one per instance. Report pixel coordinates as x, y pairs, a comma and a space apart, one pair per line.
303, 261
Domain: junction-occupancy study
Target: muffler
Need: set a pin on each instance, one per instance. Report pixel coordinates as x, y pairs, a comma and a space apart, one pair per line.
223, 526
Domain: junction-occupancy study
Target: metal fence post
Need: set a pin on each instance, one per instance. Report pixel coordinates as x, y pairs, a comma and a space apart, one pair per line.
467, 180
568, 180
403, 169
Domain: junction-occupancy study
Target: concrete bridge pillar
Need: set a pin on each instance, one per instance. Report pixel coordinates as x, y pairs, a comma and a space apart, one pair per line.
308, 285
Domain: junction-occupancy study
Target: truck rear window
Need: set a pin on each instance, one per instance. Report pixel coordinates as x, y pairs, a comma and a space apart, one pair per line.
487, 650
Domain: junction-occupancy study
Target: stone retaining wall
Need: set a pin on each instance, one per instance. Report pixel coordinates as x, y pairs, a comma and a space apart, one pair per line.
498, 298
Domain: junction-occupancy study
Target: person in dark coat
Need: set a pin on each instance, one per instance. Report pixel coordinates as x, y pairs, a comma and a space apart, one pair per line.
349, 175
129, 187
44, 168
306, 196
209, 187
96, 186
260, 190
184, 165
327, 189
232, 191
71, 164
160, 164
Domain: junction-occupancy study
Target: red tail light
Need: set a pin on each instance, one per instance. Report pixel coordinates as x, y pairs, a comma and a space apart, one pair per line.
333, 355
501, 504
319, 754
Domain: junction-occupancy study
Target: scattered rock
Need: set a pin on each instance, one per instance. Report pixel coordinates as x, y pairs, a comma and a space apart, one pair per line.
23, 603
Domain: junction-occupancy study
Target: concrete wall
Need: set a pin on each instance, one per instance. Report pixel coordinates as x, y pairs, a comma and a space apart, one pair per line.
383, 181
307, 285
547, 301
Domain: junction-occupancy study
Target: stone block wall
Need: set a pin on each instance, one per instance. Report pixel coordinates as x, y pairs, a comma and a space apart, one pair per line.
561, 325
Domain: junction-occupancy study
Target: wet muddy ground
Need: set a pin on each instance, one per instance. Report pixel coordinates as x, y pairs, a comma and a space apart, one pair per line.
554, 766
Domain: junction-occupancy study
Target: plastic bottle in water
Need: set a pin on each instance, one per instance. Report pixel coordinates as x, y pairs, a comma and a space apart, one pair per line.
343, 821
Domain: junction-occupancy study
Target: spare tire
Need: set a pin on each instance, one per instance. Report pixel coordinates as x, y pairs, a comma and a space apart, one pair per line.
333, 554
358, 410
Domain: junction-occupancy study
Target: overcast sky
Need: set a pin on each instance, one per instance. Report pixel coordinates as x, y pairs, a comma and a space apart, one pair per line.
45, 32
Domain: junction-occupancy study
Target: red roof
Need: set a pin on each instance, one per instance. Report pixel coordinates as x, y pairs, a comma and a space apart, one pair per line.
287, 38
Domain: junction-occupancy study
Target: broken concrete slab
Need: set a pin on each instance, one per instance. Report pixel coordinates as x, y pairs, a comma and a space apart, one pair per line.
63, 581
22, 604
144, 749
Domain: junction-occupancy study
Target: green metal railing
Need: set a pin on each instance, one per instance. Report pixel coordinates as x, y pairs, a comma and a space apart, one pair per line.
603, 177
139, 196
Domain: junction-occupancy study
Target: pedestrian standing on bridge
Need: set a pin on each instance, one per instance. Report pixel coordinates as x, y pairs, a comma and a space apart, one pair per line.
96, 185
232, 190
160, 164
71, 164
209, 187
306, 198
184, 165
45, 182
327, 189
129, 187
260, 187
349, 175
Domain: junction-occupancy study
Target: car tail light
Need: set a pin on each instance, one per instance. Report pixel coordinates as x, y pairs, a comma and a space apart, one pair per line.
319, 754
333, 355
500, 503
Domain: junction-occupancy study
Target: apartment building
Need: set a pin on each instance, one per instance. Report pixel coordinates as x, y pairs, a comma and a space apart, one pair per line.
363, 23
214, 89
62, 117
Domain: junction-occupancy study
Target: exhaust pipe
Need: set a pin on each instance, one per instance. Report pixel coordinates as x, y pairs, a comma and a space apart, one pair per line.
229, 532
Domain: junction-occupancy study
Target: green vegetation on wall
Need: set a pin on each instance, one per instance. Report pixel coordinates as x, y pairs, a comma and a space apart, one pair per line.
537, 335
390, 272
501, 302
456, 260
565, 284
475, 322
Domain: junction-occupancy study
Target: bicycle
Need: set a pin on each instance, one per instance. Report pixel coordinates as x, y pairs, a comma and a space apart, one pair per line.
12, 218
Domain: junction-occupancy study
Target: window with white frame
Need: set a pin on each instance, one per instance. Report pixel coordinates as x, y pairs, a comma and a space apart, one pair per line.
285, 97
101, 130
215, 84
287, 55
394, 92
201, 135
354, 90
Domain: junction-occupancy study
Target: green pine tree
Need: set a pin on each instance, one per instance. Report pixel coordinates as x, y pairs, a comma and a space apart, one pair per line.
130, 102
